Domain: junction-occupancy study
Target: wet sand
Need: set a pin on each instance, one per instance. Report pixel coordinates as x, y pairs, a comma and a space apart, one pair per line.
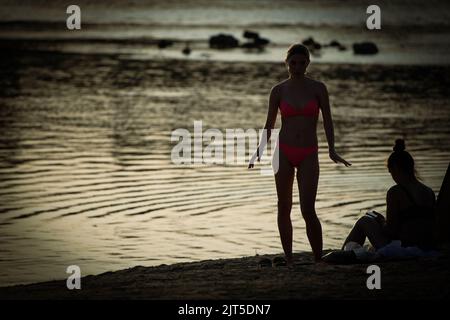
244, 278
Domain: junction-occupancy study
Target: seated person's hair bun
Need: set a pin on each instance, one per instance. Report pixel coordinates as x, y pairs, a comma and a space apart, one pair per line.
399, 145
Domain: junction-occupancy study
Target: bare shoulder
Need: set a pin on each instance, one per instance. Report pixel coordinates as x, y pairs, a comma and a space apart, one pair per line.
277, 89
430, 193
318, 86
280, 85
394, 192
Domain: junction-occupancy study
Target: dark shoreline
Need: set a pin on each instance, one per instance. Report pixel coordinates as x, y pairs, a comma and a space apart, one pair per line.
244, 279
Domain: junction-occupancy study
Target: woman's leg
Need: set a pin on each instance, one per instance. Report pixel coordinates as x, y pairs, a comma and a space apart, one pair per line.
284, 179
370, 228
308, 179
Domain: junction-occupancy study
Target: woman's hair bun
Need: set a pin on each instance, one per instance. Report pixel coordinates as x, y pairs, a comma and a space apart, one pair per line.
399, 145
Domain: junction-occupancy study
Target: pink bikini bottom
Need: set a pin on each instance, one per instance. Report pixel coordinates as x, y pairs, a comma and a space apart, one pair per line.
296, 155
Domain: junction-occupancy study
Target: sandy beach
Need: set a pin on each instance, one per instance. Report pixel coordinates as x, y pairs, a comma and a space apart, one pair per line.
243, 278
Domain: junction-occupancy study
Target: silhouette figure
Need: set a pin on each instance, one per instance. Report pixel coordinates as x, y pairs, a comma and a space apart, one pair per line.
409, 212
300, 100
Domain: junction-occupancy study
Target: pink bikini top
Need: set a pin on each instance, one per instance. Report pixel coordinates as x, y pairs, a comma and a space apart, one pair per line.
310, 109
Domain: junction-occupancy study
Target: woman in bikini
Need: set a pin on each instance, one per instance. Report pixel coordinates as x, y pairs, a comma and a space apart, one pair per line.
299, 99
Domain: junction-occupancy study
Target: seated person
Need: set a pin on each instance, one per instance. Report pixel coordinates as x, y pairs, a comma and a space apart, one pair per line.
409, 213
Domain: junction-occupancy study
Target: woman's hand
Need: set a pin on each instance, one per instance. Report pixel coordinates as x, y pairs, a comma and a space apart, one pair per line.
337, 158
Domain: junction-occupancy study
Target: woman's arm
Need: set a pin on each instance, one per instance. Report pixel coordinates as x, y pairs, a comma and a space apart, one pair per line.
392, 215
274, 101
326, 115
328, 124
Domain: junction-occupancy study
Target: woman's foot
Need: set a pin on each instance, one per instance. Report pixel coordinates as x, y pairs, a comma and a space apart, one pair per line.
290, 263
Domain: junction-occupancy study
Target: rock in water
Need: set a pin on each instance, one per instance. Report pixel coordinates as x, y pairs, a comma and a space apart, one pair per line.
365, 48
250, 34
223, 41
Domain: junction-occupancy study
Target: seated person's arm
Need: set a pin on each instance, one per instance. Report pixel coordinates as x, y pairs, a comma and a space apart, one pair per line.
392, 215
